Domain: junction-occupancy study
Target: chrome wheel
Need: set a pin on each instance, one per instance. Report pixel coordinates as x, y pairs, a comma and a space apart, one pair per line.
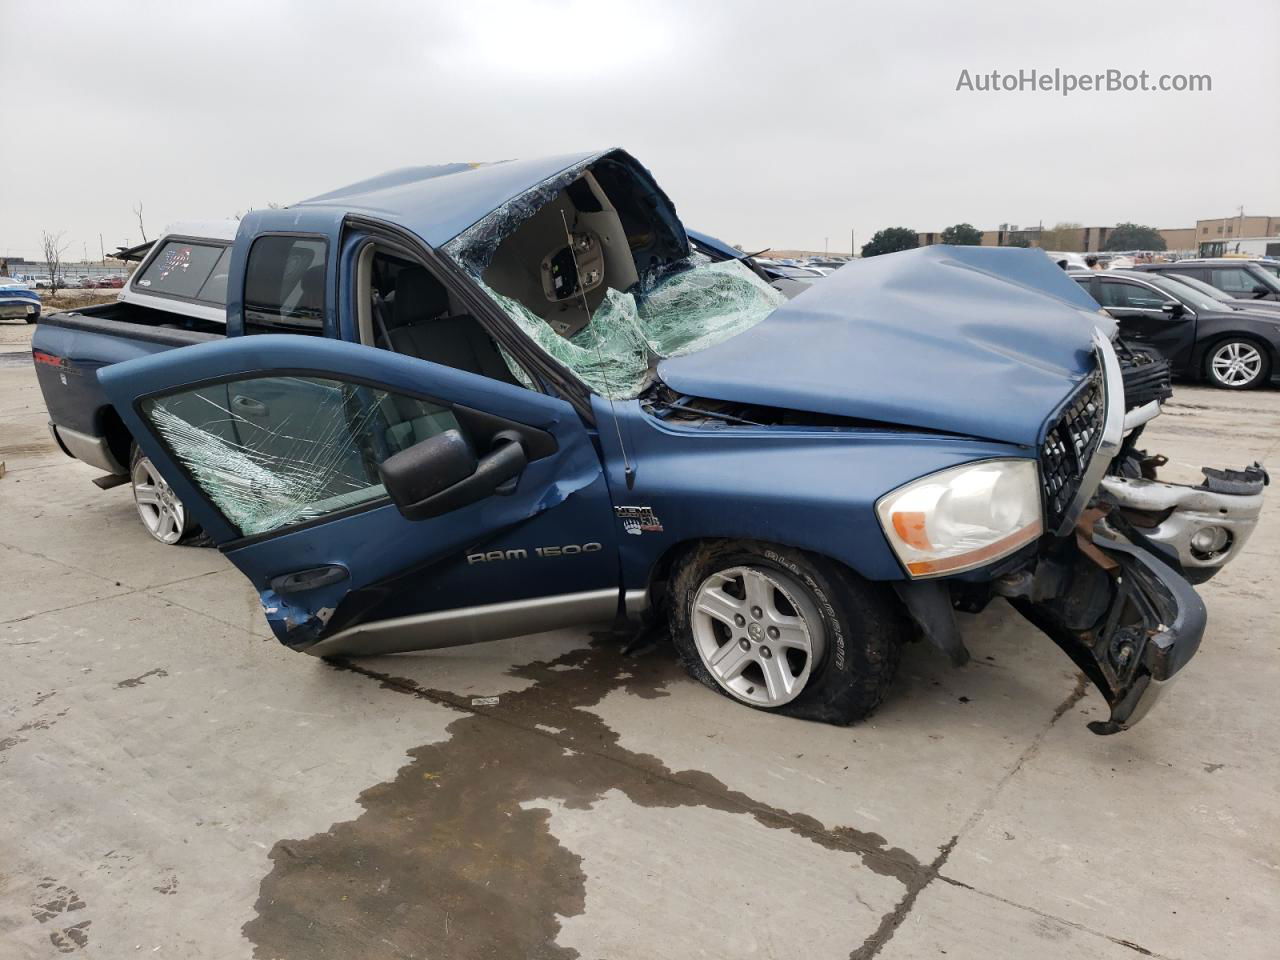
159, 508
758, 633
1236, 364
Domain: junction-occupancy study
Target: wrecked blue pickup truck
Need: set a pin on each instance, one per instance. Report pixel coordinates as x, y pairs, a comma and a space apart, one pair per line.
477, 401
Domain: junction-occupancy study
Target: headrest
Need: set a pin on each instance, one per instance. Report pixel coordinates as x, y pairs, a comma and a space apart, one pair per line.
419, 296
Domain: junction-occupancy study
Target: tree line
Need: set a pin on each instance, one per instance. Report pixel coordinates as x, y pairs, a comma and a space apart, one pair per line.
1062, 236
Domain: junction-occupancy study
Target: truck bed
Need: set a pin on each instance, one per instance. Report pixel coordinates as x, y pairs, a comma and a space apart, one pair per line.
138, 322
68, 348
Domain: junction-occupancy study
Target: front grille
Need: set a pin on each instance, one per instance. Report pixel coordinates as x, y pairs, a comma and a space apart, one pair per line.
1068, 447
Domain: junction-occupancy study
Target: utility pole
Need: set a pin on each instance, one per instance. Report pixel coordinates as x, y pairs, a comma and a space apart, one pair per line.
853, 242
102, 251
826, 246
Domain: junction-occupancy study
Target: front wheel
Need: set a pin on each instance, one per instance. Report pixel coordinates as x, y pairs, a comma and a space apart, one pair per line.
782, 630
161, 512
1236, 365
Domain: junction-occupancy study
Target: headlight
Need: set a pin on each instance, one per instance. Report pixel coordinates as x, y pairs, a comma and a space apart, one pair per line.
962, 517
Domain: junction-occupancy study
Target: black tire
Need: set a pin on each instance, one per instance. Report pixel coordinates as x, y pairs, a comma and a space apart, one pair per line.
863, 624
1264, 370
33, 318
191, 535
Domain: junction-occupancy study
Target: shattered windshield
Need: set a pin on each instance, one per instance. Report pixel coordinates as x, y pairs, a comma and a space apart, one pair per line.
688, 310
593, 266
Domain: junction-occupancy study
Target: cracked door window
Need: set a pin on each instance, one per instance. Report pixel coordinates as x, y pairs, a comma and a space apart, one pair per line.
271, 452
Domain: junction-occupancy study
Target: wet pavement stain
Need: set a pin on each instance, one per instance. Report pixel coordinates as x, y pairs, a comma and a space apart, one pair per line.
141, 678
446, 861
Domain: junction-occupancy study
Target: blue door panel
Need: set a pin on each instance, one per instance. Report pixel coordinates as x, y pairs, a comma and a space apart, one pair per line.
518, 562
395, 567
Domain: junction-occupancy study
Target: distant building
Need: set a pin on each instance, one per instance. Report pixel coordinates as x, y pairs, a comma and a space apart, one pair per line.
1237, 226
1182, 239
1239, 234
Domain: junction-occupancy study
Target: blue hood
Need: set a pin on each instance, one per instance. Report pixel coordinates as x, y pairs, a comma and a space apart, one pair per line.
984, 342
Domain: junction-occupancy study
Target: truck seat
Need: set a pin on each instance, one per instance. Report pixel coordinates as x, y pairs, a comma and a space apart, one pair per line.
422, 327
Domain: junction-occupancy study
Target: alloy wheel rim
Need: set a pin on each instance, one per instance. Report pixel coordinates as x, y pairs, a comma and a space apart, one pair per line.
1236, 364
159, 508
758, 634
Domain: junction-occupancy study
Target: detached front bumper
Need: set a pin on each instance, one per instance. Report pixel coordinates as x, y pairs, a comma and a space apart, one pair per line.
1128, 620
1124, 616
1206, 526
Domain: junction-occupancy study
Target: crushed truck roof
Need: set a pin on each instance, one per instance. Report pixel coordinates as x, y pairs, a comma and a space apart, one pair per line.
439, 202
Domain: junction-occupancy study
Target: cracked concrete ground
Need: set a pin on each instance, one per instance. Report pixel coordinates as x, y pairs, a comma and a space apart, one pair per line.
176, 783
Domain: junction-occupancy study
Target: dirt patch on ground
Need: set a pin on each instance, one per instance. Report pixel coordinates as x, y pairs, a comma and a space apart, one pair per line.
15, 336
75, 299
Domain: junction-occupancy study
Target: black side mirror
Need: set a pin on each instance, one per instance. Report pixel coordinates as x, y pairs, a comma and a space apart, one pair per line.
442, 474
1173, 310
1259, 292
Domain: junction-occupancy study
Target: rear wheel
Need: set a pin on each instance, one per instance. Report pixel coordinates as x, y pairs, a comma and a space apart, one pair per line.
782, 630
161, 512
1236, 365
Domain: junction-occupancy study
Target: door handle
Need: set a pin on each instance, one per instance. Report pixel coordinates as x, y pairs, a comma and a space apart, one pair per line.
248, 406
309, 579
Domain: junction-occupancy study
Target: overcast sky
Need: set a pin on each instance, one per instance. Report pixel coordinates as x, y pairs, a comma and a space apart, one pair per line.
783, 124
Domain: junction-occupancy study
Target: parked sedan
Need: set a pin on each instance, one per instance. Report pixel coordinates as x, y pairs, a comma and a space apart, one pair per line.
1213, 293
1201, 337
1236, 277
18, 301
